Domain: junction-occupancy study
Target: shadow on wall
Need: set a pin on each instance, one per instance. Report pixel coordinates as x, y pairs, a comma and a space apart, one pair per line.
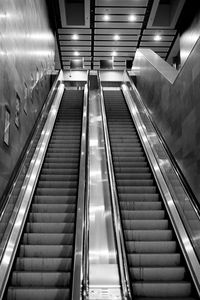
26, 61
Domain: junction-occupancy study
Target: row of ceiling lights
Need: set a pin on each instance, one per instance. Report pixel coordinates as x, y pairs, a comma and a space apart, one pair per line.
131, 18
116, 37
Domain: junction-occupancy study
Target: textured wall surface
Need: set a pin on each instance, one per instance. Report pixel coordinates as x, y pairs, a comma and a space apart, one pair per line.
26, 58
175, 109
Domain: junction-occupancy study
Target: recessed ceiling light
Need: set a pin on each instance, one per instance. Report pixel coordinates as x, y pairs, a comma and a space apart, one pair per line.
76, 53
132, 18
114, 53
157, 37
106, 17
75, 37
116, 37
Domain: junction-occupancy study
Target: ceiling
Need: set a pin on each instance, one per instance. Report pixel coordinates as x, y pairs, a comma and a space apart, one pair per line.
97, 37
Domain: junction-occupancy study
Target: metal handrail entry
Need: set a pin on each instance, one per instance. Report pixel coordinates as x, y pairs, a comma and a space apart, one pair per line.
27, 192
123, 265
182, 236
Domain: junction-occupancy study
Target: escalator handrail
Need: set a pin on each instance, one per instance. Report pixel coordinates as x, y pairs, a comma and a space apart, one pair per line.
123, 265
80, 263
181, 233
27, 192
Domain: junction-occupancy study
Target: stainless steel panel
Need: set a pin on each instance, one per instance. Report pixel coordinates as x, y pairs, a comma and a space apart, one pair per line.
104, 280
79, 263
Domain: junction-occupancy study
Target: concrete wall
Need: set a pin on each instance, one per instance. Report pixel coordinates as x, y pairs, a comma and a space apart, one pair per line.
26, 58
175, 108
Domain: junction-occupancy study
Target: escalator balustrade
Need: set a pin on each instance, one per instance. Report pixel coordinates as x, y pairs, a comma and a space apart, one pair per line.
44, 263
156, 266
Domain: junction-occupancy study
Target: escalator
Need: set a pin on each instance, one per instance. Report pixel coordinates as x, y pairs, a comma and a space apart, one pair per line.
156, 265
43, 267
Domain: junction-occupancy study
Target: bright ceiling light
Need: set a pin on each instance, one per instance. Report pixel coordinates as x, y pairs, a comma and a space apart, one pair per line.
114, 53
75, 37
116, 37
76, 53
132, 18
157, 38
106, 17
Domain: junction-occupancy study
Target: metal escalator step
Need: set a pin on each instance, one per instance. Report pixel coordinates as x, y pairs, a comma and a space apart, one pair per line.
137, 189
49, 227
148, 235
143, 215
131, 164
56, 191
62, 151
133, 176
43, 263
43, 199
165, 289
68, 160
151, 205
158, 273
151, 246
48, 238
41, 279
38, 293
154, 259
57, 184
134, 182
139, 197
129, 155
66, 154
60, 165
46, 251
51, 217
61, 171
131, 170
164, 298
53, 208
145, 224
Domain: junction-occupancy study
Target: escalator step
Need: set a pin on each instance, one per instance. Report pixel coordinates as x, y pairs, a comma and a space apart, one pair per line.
53, 208
43, 279
45, 264
51, 217
49, 227
38, 293
162, 289
148, 235
48, 239
44, 251
158, 273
